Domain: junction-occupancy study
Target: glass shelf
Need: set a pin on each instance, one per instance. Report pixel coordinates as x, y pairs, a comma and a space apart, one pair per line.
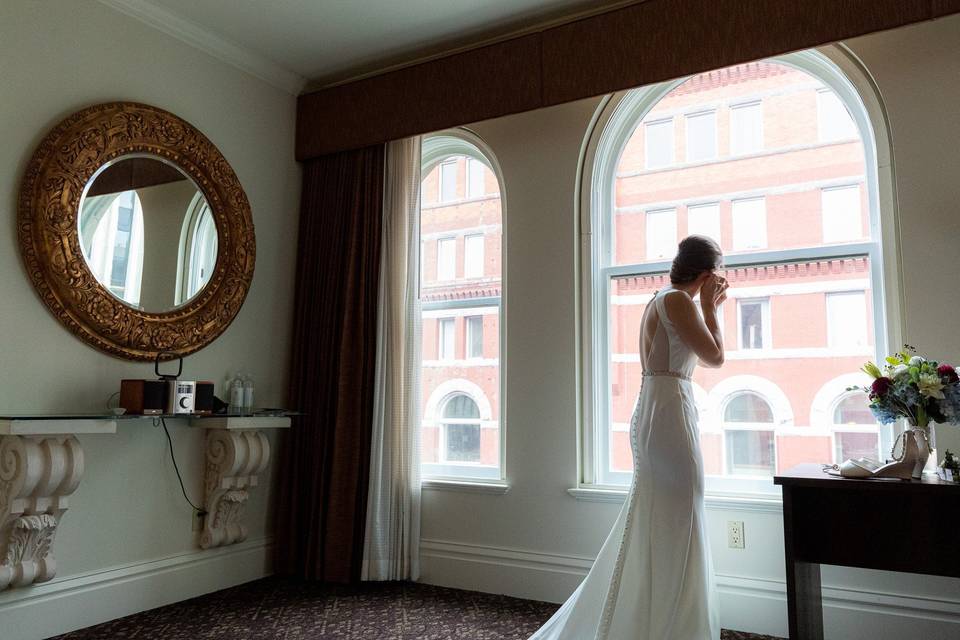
256, 413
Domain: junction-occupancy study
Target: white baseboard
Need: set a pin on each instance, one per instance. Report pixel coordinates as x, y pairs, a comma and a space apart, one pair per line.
750, 604
74, 602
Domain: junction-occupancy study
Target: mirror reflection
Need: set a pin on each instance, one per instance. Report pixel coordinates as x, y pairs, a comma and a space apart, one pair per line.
147, 233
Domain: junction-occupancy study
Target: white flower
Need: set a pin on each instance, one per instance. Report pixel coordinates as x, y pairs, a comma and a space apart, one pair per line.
900, 370
916, 361
930, 386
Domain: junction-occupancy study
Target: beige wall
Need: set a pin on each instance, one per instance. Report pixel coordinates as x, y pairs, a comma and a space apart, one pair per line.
164, 210
58, 56
530, 541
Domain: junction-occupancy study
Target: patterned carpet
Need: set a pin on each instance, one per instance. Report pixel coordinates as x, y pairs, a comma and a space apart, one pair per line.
276, 609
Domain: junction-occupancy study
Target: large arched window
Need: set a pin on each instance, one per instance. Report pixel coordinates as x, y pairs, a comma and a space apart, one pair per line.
461, 277
777, 161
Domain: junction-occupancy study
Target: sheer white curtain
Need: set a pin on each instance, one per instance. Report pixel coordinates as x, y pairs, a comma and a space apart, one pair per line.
392, 544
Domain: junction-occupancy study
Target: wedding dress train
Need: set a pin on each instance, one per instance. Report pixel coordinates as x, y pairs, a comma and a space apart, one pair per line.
653, 577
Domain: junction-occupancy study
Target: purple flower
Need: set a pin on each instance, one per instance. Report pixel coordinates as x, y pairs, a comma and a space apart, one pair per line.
880, 387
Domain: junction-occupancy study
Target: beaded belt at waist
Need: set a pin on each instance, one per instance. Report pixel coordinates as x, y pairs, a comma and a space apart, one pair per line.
669, 374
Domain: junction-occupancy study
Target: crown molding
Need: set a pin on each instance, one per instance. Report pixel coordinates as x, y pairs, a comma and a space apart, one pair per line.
201, 38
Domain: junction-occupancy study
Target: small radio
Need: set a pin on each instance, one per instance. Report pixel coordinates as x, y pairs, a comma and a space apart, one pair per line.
182, 396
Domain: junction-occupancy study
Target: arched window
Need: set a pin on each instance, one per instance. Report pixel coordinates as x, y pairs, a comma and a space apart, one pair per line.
748, 431
748, 407
853, 408
855, 429
461, 233
198, 250
461, 430
776, 160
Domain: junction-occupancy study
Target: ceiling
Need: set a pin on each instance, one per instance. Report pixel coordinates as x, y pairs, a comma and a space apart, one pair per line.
298, 43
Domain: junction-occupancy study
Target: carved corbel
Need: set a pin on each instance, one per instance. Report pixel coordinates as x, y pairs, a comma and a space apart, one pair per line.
37, 476
234, 459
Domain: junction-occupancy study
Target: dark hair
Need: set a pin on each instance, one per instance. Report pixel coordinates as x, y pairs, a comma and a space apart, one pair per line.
695, 255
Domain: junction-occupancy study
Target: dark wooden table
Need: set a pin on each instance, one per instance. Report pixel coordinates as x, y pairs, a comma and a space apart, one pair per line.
893, 525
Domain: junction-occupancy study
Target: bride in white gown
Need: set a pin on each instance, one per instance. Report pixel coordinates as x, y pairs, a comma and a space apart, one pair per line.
653, 578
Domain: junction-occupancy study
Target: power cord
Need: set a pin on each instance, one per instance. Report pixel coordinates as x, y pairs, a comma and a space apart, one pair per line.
200, 511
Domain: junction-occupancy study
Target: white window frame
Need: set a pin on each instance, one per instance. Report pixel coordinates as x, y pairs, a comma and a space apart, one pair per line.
711, 113
444, 274
832, 236
612, 129
746, 105
825, 91
646, 144
468, 332
446, 164
717, 222
468, 270
446, 349
435, 149
475, 170
647, 253
831, 322
766, 323
738, 244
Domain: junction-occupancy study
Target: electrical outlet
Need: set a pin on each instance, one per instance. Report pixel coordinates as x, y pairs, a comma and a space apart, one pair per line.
735, 534
198, 518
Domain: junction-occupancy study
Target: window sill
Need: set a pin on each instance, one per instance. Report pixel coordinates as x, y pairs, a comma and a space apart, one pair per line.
728, 501
494, 488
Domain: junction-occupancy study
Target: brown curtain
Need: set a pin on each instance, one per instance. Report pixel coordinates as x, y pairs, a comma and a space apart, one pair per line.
326, 459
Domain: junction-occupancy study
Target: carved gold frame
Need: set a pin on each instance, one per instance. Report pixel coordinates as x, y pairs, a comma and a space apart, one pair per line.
47, 230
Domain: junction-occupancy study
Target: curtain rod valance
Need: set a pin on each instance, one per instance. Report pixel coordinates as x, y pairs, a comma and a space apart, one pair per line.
632, 46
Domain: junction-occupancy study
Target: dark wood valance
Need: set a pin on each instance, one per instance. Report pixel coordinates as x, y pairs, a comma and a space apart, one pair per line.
628, 47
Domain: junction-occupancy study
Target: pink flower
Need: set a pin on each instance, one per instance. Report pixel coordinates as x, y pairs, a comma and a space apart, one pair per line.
880, 387
948, 372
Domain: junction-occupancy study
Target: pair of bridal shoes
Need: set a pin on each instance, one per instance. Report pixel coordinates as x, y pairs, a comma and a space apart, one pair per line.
902, 468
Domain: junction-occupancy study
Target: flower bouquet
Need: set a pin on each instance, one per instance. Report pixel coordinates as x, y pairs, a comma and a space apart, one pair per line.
919, 390
914, 388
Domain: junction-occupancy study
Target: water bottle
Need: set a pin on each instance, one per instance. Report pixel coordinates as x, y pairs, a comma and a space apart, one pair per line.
236, 395
248, 393
227, 386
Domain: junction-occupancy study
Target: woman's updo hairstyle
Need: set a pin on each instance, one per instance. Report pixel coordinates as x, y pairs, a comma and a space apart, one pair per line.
695, 255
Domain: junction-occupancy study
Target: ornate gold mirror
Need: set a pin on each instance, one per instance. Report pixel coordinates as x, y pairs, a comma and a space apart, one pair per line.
135, 231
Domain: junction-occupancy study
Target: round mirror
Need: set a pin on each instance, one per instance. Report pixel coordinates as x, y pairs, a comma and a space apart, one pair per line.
147, 233
135, 231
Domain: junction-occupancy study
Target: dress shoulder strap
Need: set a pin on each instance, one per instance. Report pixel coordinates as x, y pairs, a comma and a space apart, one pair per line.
659, 300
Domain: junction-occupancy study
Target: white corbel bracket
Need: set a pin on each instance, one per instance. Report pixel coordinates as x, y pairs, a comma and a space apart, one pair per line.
237, 452
41, 464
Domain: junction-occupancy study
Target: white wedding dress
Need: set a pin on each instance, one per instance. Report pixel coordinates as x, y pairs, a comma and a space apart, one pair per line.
653, 578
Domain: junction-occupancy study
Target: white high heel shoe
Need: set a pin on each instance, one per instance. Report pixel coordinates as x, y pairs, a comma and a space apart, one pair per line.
864, 468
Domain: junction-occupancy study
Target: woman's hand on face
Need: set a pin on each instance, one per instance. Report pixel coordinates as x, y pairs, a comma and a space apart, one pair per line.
714, 291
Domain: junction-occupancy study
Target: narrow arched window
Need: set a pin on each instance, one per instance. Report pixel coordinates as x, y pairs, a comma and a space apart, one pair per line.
198, 250
461, 278
775, 160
